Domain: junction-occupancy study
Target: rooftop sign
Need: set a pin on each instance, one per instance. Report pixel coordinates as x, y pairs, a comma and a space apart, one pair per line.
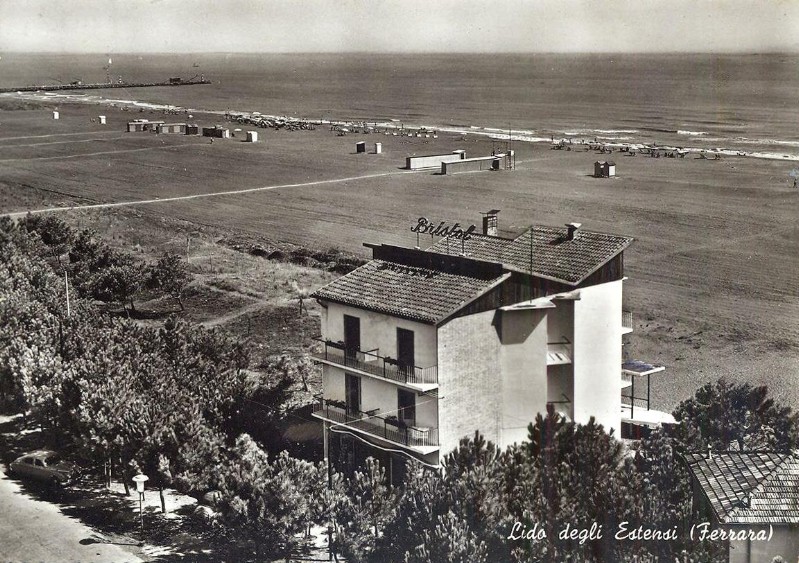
426, 227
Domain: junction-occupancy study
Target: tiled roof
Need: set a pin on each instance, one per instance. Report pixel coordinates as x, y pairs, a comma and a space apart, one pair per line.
554, 256
749, 487
423, 294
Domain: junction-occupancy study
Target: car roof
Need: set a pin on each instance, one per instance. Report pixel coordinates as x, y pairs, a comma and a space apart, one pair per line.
38, 454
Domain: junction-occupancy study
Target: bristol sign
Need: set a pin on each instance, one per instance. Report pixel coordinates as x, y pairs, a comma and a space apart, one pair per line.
426, 227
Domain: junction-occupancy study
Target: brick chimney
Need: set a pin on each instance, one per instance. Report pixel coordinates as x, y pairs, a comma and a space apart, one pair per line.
490, 222
573, 228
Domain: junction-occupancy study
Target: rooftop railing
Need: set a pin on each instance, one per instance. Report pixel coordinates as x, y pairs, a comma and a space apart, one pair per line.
627, 320
388, 428
374, 364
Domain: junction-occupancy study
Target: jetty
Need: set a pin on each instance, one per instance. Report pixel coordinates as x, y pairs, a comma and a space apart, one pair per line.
103, 85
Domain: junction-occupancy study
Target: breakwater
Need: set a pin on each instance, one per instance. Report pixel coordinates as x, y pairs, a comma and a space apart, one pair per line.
99, 86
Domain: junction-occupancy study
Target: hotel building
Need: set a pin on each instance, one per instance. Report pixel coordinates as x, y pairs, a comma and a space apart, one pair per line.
421, 348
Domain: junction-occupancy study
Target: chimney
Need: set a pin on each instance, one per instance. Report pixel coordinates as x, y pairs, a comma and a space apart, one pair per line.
490, 222
573, 228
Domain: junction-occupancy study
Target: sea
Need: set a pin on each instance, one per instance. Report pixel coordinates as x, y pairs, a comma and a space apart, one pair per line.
731, 104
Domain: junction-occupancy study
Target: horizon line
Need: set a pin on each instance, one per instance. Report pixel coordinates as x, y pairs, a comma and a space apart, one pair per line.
107, 53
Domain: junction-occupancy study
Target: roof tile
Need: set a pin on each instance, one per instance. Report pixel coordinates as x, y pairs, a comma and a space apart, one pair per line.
554, 256
749, 487
422, 294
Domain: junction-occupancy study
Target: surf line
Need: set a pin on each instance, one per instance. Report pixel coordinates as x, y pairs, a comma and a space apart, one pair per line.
16, 214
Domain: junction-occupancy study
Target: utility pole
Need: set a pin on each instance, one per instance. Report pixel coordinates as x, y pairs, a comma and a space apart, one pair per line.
66, 289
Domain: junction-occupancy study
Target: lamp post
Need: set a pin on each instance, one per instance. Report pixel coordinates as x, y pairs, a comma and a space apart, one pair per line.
140, 479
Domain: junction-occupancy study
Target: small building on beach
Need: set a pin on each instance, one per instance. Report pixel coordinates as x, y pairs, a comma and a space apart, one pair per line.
252, 136
604, 169
475, 164
433, 160
171, 128
192, 129
139, 125
216, 131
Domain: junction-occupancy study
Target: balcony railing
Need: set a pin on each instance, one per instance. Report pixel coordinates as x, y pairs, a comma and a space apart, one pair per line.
375, 364
627, 321
387, 428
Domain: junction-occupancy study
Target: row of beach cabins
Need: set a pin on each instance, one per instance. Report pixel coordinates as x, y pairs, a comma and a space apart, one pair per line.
161, 127
456, 161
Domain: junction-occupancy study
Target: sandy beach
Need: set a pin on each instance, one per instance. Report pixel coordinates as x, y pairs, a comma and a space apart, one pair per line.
712, 273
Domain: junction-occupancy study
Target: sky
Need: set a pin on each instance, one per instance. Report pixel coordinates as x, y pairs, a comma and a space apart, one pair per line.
129, 26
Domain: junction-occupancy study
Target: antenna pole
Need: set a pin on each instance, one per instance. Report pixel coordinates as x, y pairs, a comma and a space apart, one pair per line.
66, 289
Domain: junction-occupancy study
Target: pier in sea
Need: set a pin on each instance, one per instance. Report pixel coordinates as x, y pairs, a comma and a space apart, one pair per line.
103, 85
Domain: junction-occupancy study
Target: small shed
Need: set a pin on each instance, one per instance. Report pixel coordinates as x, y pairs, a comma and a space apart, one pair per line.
217, 131
378, 148
102, 119
252, 136
360, 146
604, 169
171, 128
55, 115
192, 129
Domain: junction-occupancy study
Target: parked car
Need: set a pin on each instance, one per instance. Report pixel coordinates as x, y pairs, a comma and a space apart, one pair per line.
45, 466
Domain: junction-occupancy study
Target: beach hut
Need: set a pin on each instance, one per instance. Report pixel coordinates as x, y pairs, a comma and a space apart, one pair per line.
378, 148
604, 169
360, 146
217, 131
252, 136
171, 128
192, 129
55, 115
102, 119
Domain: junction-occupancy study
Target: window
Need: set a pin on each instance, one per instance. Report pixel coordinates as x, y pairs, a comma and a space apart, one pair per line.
405, 350
352, 336
352, 390
406, 405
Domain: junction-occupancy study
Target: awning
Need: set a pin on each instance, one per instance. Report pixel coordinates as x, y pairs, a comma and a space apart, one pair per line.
646, 417
638, 367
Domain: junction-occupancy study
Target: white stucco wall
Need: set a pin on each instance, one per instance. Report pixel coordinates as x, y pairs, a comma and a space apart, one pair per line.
523, 362
596, 355
560, 321
469, 379
380, 331
560, 388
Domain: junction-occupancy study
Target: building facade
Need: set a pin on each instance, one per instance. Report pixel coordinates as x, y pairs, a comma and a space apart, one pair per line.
753, 496
421, 348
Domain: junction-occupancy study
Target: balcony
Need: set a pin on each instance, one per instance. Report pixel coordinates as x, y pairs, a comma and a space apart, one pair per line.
626, 322
390, 429
559, 353
371, 363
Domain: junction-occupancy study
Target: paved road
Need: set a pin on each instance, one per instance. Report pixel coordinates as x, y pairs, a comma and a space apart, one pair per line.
36, 531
